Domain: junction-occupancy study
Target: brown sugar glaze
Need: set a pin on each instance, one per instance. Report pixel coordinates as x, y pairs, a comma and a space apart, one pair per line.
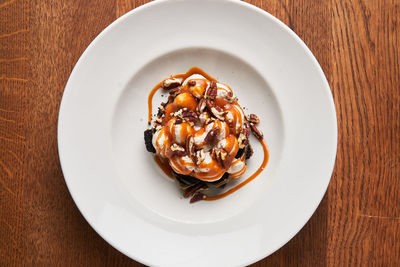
164, 164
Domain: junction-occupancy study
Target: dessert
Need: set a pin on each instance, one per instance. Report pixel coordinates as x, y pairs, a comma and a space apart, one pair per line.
200, 135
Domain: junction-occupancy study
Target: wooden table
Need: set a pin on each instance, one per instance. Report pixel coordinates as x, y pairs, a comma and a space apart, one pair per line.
357, 44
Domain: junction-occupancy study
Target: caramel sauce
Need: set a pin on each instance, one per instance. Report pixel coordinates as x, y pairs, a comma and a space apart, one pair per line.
222, 103
173, 107
164, 166
248, 180
193, 70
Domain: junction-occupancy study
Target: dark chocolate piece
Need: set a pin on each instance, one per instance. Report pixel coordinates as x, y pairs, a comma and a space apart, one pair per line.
148, 137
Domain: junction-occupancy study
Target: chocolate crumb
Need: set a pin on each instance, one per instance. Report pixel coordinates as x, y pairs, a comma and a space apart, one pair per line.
249, 151
239, 153
148, 137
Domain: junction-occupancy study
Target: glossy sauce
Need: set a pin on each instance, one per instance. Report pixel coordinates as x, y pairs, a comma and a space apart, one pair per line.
164, 166
248, 180
172, 107
193, 70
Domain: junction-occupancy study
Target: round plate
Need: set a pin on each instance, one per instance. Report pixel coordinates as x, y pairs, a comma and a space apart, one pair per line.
114, 180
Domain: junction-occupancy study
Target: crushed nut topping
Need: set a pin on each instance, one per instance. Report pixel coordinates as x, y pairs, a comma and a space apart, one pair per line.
231, 98
170, 83
201, 105
191, 83
256, 131
189, 115
190, 145
212, 135
174, 92
242, 140
221, 156
215, 110
200, 130
211, 91
177, 150
200, 156
253, 118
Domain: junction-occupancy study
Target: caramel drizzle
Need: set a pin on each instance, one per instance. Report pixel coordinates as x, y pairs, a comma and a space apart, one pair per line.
193, 70
165, 166
248, 180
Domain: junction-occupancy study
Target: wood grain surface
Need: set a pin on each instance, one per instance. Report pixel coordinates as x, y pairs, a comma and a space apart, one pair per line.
357, 44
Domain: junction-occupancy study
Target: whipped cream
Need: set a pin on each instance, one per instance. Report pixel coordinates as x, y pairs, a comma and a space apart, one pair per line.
176, 130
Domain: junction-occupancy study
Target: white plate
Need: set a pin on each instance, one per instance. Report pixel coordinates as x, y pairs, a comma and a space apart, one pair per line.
114, 181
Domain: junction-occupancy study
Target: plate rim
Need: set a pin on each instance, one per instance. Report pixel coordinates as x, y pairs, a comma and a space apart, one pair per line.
310, 55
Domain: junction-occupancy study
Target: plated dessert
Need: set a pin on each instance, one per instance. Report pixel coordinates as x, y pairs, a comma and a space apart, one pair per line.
200, 135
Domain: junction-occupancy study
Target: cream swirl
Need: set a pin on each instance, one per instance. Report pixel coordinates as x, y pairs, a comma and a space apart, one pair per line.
206, 132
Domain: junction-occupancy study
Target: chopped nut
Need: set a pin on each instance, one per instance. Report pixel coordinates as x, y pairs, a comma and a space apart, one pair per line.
256, 131
208, 120
203, 117
200, 156
221, 156
191, 83
215, 110
170, 83
190, 145
186, 115
253, 118
177, 150
197, 197
211, 136
176, 147
218, 114
246, 130
211, 91
189, 115
174, 92
201, 105
177, 114
242, 140
230, 97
